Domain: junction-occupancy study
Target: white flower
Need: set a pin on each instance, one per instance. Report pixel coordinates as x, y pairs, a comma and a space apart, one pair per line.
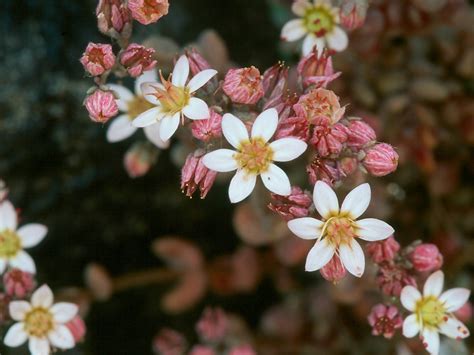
12, 241
319, 23
174, 99
254, 156
339, 228
132, 105
41, 322
432, 312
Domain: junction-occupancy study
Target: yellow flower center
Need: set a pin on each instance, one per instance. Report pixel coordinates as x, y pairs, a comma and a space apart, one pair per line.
339, 230
39, 322
320, 20
10, 243
172, 98
138, 105
430, 311
254, 155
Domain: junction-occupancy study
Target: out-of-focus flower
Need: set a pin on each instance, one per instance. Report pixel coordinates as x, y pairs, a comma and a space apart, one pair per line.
178, 253
283, 321
213, 325
4, 305
18, 283
323, 169
392, 277
112, 15
242, 350
254, 156
195, 174
359, 134
208, 129
174, 99
98, 281
334, 270
319, 105
77, 327
244, 85
189, 291
139, 158
385, 320
338, 230
464, 314
381, 160
148, 11
295, 205
41, 322
202, 350
101, 106
329, 139
138, 59
98, 58
432, 312
384, 250
13, 240
319, 23
169, 342
316, 70
426, 257
291, 251
353, 14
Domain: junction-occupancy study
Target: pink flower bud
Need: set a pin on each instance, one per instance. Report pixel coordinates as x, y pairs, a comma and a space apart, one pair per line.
243, 86
392, 278
202, 350
347, 165
137, 59
464, 314
4, 308
101, 106
169, 342
384, 250
381, 160
329, 139
352, 15
242, 350
148, 11
194, 174
293, 127
139, 158
77, 327
98, 58
112, 15
333, 271
426, 258
208, 129
213, 325
316, 70
295, 205
319, 105
197, 63
385, 320
18, 283
323, 169
359, 134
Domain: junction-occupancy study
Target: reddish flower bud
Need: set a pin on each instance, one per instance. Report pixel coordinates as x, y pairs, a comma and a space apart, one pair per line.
353, 14
137, 59
293, 127
333, 271
169, 342
197, 63
148, 11
208, 129
77, 327
347, 165
329, 139
381, 160
385, 320
318, 105
194, 174
139, 158
295, 205
112, 15
202, 350
392, 278
242, 350
244, 85
316, 70
213, 325
323, 169
384, 250
101, 106
18, 283
98, 58
426, 258
359, 134
464, 314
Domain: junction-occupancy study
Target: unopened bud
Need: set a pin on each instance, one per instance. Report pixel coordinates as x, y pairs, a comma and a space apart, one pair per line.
101, 106
381, 160
243, 86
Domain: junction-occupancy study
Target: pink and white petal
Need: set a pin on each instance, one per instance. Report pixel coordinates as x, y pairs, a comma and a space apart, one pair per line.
299, 7
124, 96
356, 201
153, 134
39, 346
61, 337
168, 126
148, 91
63, 312
306, 227
148, 76
23, 261
200, 79
3, 265
221, 160
234, 130
32, 234
18, 309
16, 335
286, 149
455, 298
180, 72
148, 117
241, 185
430, 340
8, 216
453, 328
319, 255
411, 326
372, 229
197, 109
265, 124
310, 42
434, 284
325, 199
42, 297
338, 39
276, 180
121, 128
409, 296
293, 30
352, 257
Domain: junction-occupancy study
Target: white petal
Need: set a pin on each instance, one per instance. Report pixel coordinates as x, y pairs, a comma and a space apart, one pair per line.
299, 7
319, 255
169, 125
409, 296
32, 234
410, 326
61, 337
306, 227
153, 134
42, 297
16, 335
455, 298
18, 309
197, 109
200, 79
234, 130
221, 160
121, 128
38, 346
356, 201
148, 117
293, 30
276, 180
352, 257
148, 91
265, 124
372, 229
180, 72
3, 265
148, 76
241, 185
325, 200
431, 339
337, 40
454, 329
8, 217
124, 96
310, 41
287, 149
23, 261
434, 284
63, 312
